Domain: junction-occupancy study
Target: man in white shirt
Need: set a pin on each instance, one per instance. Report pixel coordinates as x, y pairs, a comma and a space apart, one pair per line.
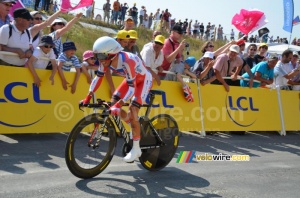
16, 38
284, 71
153, 56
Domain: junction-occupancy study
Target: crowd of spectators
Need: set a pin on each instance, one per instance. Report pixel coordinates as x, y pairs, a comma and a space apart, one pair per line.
24, 37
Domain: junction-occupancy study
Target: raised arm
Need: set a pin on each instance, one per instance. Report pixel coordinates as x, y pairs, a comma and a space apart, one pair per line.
63, 30
37, 27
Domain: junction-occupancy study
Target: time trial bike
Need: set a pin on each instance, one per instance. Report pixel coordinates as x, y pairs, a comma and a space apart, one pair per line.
91, 144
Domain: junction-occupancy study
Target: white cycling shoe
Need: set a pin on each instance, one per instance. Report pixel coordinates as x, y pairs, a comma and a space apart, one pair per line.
133, 155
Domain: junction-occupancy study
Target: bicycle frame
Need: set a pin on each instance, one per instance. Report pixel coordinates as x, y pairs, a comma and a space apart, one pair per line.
142, 120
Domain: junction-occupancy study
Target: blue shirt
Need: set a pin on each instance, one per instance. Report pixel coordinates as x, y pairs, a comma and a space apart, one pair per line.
68, 62
7, 21
263, 69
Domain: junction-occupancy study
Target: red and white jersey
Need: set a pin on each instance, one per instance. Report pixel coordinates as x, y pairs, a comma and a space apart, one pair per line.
132, 68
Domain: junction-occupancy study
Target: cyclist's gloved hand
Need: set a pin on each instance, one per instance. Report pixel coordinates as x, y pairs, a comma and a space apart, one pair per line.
188, 95
86, 100
115, 109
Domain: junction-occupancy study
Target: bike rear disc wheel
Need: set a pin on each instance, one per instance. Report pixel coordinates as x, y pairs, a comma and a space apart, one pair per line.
154, 159
88, 156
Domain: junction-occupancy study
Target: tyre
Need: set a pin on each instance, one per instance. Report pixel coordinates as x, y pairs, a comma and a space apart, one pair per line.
88, 156
154, 159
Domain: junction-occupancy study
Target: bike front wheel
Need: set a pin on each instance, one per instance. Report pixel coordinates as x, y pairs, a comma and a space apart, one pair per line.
90, 146
154, 159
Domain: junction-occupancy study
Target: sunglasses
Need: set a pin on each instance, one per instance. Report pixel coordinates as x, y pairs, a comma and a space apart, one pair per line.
158, 43
102, 56
253, 49
264, 47
48, 46
7, 4
38, 19
210, 46
59, 23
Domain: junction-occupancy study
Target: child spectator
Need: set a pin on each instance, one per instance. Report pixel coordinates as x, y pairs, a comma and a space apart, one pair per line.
88, 64
183, 68
40, 58
66, 60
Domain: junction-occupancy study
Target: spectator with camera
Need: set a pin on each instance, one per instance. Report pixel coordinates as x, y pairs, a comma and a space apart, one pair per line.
173, 49
16, 38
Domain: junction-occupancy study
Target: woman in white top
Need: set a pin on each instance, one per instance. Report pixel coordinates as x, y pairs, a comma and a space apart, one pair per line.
38, 25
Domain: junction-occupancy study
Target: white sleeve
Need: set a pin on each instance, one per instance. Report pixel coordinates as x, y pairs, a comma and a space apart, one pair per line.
4, 34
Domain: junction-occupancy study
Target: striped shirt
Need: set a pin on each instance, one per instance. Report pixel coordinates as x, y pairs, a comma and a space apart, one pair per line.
68, 62
57, 42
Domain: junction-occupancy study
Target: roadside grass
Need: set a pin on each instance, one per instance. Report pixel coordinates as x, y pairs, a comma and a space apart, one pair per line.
85, 37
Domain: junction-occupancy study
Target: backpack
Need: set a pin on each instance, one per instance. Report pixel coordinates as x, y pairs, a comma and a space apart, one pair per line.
10, 32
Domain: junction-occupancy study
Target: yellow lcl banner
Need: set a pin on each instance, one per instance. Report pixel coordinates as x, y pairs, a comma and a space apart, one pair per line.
49, 108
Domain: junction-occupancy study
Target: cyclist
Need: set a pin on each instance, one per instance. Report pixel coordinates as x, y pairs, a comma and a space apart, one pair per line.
136, 85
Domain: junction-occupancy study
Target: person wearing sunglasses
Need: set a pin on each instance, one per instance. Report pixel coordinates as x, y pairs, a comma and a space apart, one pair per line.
135, 86
5, 6
88, 63
38, 25
40, 58
132, 46
16, 38
58, 28
153, 56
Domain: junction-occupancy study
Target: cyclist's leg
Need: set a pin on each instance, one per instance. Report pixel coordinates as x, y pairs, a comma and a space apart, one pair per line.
141, 92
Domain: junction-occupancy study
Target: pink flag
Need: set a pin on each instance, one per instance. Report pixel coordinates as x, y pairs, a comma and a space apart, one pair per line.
67, 7
18, 4
246, 20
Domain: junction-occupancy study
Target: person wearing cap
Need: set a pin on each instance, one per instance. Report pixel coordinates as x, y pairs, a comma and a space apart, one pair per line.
203, 70
153, 57
262, 51
88, 63
58, 28
5, 6
16, 38
225, 63
128, 23
263, 72
284, 71
154, 34
173, 49
65, 61
40, 58
106, 11
134, 13
132, 47
38, 25
123, 38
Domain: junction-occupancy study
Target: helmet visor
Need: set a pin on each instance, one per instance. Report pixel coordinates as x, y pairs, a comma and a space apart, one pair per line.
102, 56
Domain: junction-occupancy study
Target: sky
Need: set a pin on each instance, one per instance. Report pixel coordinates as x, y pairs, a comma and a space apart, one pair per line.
218, 12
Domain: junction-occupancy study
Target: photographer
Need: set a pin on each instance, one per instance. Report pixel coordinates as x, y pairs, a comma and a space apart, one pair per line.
172, 49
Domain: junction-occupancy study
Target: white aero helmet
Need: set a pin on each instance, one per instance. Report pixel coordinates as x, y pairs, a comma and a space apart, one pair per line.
106, 45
